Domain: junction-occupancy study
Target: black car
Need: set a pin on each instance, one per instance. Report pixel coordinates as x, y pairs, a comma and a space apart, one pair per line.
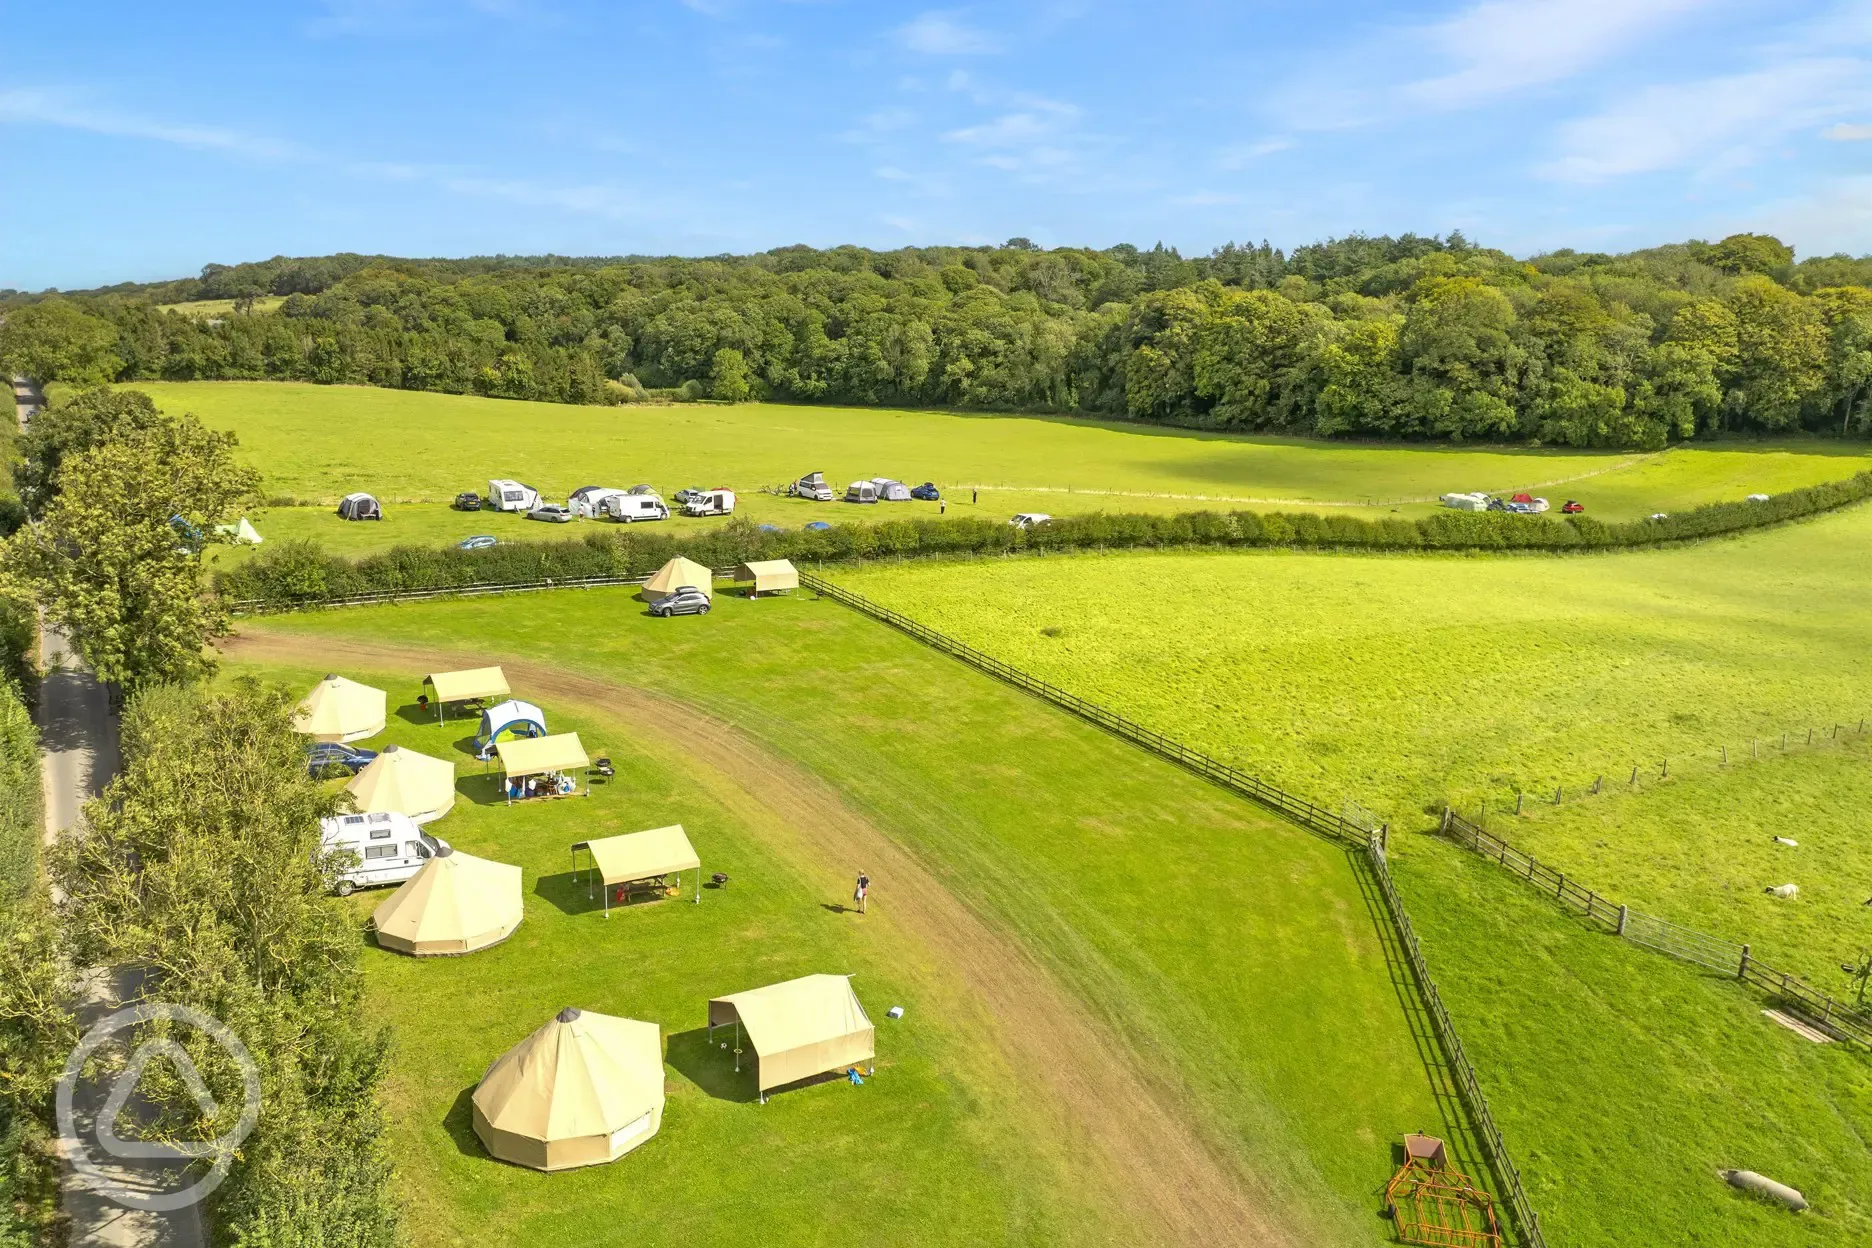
687, 600
927, 492
334, 758
467, 500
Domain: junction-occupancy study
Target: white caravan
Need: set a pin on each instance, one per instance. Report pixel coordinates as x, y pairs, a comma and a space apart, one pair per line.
629, 508
380, 848
710, 503
1029, 519
505, 495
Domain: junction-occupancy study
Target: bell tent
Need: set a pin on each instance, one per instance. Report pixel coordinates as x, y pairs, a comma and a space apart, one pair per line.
506, 721
583, 1090
475, 684
359, 507
798, 1029
341, 710
404, 782
456, 903
677, 573
770, 576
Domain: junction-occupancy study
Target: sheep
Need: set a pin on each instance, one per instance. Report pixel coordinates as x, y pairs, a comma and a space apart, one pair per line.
1783, 890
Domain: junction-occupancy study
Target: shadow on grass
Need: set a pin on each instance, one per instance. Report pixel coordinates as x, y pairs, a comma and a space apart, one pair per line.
459, 1123
421, 716
584, 895
710, 1066
481, 789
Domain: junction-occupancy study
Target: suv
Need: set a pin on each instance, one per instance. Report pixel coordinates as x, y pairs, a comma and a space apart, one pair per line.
683, 496
687, 600
467, 500
1573, 508
552, 513
927, 492
333, 758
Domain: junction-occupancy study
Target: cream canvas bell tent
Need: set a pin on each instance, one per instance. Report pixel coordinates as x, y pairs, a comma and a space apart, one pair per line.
341, 710
798, 1029
456, 903
770, 576
582, 1090
404, 782
677, 573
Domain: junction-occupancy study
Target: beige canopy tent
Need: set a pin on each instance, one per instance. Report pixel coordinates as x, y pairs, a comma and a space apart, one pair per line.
770, 576
677, 573
456, 903
582, 1090
341, 710
538, 756
470, 685
638, 857
406, 783
798, 1029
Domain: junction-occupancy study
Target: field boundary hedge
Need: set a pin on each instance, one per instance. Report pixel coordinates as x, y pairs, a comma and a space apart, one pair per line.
1367, 848
1687, 944
295, 574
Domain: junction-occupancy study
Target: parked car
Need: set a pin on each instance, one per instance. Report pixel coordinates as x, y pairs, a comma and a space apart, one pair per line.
1029, 519
1572, 508
381, 848
552, 513
467, 500
817, 526
1756, 498
684, 495
716, 502
687, 600
1660, 515
926, 492
480, 541
332, 758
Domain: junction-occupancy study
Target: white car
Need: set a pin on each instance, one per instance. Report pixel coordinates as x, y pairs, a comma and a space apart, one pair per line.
1029, 519
379, 848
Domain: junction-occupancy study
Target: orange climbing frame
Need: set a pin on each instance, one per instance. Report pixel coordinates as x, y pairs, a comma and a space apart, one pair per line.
1435, 1205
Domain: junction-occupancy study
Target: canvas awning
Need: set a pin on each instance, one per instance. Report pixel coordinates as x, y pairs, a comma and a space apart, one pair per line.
643, 855
582, 1090
769, 575
798, 1029
530, 756
464, 686
405, 783
341, 710
456, 903
677, 573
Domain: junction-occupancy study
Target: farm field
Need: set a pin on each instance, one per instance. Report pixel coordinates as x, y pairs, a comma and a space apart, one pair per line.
316, 443
205, 308
1040, 883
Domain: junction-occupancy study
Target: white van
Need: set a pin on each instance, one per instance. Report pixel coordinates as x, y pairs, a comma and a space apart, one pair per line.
629, 508
710, 503
504, 495
381, 848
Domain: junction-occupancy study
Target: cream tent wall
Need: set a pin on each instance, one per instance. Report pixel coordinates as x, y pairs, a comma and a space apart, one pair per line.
341, 710
406, 783
456, 903
582, 1090
770, 576
798, 1029
677, 573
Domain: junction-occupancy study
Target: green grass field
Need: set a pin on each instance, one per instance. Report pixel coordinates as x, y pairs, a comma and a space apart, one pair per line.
207, 308
1232, 960
316, 443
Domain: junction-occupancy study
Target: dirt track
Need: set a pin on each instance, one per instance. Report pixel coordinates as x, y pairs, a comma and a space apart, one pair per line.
1150, 1155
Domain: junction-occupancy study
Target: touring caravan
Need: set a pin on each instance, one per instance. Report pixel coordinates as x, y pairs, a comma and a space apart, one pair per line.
587, 502
504, 495
629, 508
710, 503
812, 485
1466, 502
861, 492
889, 491
381, 848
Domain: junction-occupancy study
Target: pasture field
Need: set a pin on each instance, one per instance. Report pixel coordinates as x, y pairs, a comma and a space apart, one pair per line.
1119, 980
316, 443
203, 309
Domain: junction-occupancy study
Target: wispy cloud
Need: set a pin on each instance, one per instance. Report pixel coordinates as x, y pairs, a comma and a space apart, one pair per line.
1845, 132
940, 33
47, 108
1240, 155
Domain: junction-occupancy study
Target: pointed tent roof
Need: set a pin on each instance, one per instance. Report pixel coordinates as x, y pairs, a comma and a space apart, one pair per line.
406, 783
456, 903
677, 573
341, 710
583, 1089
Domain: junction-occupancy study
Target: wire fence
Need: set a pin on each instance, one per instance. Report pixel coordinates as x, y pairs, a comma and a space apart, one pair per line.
1837, 1018
1353, 827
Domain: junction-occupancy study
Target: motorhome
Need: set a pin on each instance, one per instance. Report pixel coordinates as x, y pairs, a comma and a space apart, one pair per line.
504, 495
629, 508
812, 485
587, 502
710, 503
380, 848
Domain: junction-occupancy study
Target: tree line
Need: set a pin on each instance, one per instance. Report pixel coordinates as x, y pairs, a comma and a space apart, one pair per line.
1410, 337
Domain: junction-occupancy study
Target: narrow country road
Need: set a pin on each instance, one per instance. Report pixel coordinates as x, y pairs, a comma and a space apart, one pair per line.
78, 757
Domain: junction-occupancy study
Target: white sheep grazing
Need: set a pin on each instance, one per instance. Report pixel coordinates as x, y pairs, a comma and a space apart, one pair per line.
1788, 841
1784, 890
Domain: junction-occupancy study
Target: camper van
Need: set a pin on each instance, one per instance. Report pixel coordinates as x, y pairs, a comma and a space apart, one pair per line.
505, 495
812, 485
628, 508
709, 503
861, 492
384, 848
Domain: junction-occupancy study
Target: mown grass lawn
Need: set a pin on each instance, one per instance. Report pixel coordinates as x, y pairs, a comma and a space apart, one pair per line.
1235, 956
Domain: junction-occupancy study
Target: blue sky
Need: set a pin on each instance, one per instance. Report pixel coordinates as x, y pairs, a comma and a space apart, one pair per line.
142, 141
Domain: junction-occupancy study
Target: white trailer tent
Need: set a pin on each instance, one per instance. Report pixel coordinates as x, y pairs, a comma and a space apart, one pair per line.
798, 1029
861, 492
554, 758
475, 684
889, 491
359, 507
341, 710
770, 576
583, 1090
638, 858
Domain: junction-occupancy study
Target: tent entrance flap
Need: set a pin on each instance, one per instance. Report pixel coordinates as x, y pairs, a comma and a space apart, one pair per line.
637, 860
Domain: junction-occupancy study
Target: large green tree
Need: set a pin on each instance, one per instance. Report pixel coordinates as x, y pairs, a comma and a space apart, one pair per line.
76, 424
56, 340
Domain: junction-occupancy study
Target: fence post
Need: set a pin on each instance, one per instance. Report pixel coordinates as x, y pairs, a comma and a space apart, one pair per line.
1384, 837
1622, 912
1742, 967
1517, 803
1556, 795
1810, 736
1634, 775
1754, 748
1725, 758
1666, 774
1597, 784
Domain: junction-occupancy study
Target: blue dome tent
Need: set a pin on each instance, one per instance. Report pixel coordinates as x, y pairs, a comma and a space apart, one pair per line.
507, 721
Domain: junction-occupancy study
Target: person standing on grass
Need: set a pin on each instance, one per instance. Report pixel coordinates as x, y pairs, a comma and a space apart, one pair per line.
942, 507
974, 497
864, 887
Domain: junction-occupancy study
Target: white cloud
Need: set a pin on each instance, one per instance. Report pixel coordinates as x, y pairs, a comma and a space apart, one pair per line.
1238, 155
939, 33
1713, 122
1837, 217
1847, 133
50, 109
